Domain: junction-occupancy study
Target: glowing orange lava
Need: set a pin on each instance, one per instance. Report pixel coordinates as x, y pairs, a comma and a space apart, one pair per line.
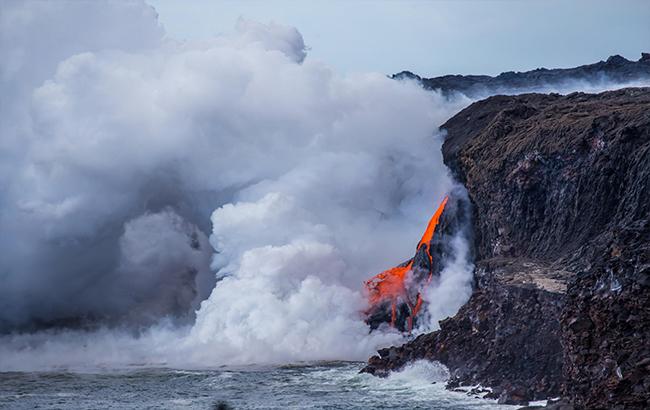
390, 285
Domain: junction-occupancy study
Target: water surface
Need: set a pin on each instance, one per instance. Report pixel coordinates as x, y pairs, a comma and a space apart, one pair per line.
314, 386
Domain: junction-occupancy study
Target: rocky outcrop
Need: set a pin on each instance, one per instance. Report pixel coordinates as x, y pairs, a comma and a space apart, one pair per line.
615, 69
560, 188
505, 337
566, 180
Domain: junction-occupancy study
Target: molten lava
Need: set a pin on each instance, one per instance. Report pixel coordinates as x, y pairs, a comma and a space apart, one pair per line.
399, 286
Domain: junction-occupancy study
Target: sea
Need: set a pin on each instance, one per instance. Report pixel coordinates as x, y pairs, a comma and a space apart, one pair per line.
331, 385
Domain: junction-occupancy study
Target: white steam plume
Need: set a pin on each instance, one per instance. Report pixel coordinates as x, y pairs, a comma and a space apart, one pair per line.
123, 146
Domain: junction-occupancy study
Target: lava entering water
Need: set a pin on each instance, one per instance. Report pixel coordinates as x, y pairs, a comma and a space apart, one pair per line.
398, 288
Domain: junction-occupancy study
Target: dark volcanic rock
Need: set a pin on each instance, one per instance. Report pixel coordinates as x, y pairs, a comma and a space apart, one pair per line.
606, 323
549, 173
506, 336
560, 187
615, 69
566, 180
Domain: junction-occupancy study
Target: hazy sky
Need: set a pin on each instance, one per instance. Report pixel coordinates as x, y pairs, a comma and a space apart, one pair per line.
435, 37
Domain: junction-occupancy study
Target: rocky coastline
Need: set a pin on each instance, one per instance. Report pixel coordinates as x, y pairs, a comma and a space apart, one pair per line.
559, 188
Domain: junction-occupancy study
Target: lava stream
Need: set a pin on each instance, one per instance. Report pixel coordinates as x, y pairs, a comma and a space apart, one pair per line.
398, 288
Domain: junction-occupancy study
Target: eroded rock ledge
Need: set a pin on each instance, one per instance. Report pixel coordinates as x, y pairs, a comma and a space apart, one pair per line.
561, 203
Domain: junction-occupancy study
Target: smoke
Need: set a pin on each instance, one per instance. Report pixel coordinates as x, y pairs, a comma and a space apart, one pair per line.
125, 151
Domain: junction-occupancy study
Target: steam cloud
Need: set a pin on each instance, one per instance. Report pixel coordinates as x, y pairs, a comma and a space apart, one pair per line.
144, 179
123, 152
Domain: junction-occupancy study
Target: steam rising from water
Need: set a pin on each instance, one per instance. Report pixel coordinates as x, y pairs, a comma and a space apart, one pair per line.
136, 171
123, 154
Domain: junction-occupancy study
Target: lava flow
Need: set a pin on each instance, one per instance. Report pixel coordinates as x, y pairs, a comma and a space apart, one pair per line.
394, 294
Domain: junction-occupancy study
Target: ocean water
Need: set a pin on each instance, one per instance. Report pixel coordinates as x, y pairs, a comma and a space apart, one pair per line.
310, 386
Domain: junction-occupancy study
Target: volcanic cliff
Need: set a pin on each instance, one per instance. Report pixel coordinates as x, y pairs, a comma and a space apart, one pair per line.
560, 195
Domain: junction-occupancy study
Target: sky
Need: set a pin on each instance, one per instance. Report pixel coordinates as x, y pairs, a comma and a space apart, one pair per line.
434, 37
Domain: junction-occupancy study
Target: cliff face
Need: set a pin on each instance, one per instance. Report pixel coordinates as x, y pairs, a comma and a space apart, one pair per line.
553, 177
560, 188
615, 69
566, 181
